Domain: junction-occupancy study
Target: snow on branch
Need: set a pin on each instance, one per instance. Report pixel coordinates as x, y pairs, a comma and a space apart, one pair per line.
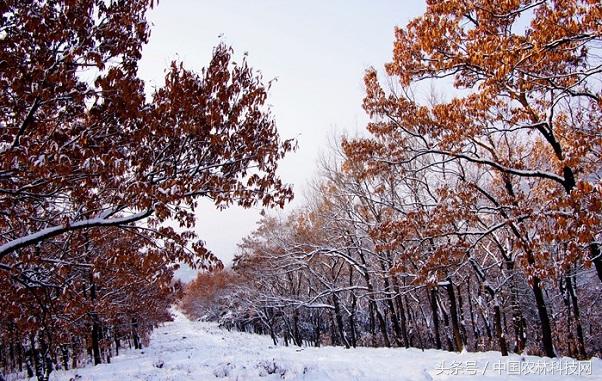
53, 231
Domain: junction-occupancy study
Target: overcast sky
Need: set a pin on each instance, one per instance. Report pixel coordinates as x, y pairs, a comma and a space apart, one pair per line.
318, 51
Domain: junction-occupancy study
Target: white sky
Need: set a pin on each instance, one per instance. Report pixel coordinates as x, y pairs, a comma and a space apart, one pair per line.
318, 50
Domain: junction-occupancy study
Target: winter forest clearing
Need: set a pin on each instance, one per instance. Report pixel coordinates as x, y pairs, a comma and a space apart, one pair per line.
456, 230
185, 350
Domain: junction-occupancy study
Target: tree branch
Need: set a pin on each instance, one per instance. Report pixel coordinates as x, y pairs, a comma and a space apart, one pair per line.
53, 231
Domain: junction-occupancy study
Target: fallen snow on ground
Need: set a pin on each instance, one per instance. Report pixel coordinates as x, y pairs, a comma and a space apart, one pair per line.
185, 350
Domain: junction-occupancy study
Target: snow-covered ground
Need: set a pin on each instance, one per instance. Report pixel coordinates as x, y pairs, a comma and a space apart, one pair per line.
185, 350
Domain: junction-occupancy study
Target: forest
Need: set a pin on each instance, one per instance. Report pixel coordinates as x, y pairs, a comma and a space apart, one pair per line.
465, 224
466, 217
99, 182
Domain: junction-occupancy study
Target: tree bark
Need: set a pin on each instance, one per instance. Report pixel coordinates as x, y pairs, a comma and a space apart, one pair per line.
135, 334
352, 327
339, 320
573, 296
317, 330
402, 313
453, 310
546, 329
435, 309
96, 340
372, 303
596, 257
499, 330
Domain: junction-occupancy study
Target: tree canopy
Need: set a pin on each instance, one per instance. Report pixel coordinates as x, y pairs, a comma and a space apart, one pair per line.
99, 179
467, 221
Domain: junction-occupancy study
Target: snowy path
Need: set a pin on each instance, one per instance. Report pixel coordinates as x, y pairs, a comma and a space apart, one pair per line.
184, 350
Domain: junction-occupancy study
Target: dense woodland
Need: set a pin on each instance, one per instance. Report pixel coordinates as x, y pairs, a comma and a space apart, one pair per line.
471, 220
99, 177
467, 217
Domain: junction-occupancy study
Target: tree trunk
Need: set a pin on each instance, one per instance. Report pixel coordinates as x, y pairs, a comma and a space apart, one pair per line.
461, 316
382, 324
117, 341
402, 313
487, 328
296, 332
372, 303
476, 332
596, 257
499, 330
333, 335
95, 325
65, 357
352, 328
137, 344
339, 320
546, 329
317, 330
435, 309
450, 344
453, 311
412, 316
390, 306
518, 321
372, 323
96, 340
573, 296
73, 353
